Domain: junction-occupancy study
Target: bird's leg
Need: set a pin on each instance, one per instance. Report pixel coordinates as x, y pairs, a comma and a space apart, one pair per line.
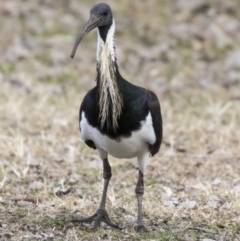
101, 214
107, 174
139, 192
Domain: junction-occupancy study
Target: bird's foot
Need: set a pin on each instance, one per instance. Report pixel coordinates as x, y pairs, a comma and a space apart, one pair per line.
141, 229
100, 215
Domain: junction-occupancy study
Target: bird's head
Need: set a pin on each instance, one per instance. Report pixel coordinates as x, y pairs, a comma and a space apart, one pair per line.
101, 17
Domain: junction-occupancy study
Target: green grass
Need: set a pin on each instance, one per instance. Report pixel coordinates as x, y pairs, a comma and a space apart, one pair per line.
48, 222
21, 212
8, 68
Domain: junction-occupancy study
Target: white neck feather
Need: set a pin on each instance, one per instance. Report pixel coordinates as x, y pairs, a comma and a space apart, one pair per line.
108, 46
109, 91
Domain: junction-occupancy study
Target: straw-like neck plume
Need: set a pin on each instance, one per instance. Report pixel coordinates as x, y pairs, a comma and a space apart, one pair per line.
110, 99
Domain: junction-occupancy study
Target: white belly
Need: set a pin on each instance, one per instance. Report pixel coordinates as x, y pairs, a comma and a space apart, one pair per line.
129, 147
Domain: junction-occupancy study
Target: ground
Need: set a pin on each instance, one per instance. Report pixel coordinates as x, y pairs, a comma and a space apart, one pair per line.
187, 53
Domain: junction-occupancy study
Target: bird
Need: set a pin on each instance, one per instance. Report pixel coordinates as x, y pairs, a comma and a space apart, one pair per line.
116, 117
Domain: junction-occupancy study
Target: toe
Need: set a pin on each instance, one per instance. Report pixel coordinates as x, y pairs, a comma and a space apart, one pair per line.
141, 228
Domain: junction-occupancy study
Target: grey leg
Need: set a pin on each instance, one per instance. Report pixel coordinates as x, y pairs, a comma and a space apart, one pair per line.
139, 192
101, 214
107, 174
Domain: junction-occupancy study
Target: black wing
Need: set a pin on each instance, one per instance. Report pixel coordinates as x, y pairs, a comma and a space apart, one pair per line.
155, 110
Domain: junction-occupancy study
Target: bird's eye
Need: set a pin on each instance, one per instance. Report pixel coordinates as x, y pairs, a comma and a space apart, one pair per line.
105, 12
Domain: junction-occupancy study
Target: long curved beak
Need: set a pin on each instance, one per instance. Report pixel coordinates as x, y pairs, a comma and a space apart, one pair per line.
92, 23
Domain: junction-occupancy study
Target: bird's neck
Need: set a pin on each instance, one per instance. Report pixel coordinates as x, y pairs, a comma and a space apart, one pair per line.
110, 98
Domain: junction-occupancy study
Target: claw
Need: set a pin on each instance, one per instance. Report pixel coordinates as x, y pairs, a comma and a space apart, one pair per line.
100, 215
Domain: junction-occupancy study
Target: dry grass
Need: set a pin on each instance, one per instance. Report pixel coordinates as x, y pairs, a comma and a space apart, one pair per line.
48, 175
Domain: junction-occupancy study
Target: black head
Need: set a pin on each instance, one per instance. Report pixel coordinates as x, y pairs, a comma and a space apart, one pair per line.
101, 17
104, 12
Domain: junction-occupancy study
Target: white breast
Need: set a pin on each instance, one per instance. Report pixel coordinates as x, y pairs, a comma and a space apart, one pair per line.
130, 147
